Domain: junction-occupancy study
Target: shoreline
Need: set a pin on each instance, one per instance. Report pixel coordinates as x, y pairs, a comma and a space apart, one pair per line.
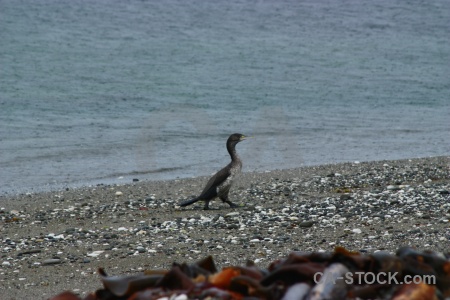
129, 178
55, 241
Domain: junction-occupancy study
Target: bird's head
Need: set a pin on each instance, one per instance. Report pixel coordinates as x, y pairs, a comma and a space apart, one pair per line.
233, 140
236, 138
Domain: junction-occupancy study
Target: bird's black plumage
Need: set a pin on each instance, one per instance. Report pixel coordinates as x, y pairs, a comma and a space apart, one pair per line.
219, 185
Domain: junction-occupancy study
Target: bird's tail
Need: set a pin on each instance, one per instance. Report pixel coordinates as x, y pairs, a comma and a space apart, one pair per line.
189, 202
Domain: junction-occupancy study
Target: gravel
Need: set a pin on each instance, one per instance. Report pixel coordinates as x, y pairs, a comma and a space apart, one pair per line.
56, 241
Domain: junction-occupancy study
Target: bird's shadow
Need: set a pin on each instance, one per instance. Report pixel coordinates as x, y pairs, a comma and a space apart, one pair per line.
213, 209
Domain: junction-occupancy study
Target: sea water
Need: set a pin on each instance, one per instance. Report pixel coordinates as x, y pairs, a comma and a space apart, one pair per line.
107, 91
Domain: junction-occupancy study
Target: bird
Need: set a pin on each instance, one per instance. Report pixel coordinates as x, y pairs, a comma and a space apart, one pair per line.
220, 183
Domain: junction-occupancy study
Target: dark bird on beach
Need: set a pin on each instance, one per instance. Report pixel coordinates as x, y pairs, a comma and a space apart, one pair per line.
219, 185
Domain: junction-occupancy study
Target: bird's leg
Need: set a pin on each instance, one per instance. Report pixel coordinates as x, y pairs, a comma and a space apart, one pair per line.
232, 205
206, 207
225, 199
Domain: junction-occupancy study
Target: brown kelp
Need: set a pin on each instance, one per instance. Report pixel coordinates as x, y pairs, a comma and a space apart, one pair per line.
343, 274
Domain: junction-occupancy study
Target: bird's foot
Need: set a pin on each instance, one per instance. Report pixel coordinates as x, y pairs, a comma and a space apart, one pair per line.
232, 205
206, 207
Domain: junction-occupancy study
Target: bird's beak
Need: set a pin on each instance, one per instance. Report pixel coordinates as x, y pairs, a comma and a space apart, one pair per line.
244, 137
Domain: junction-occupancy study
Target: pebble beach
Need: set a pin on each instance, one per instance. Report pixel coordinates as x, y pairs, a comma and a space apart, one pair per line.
55, 241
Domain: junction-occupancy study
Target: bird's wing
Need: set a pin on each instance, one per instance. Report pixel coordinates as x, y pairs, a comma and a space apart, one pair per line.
213, 182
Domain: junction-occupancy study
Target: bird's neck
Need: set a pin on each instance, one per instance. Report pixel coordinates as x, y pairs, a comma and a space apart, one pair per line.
233, 154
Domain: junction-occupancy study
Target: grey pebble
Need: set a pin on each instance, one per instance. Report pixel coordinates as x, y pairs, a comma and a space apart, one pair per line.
51, 261
306, 224
345, 197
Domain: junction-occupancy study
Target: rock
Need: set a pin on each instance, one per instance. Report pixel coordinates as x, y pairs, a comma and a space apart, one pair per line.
232, 214
345, 197
70, 230
306, 224
393, 188
34, 251
51, 261
95, 253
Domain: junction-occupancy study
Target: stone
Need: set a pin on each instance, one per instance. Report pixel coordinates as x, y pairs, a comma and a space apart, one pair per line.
51, 261
306, 224
393, 188
345, 197
95, 253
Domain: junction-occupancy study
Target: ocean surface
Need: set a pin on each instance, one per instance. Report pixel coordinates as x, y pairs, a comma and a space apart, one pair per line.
107, 91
